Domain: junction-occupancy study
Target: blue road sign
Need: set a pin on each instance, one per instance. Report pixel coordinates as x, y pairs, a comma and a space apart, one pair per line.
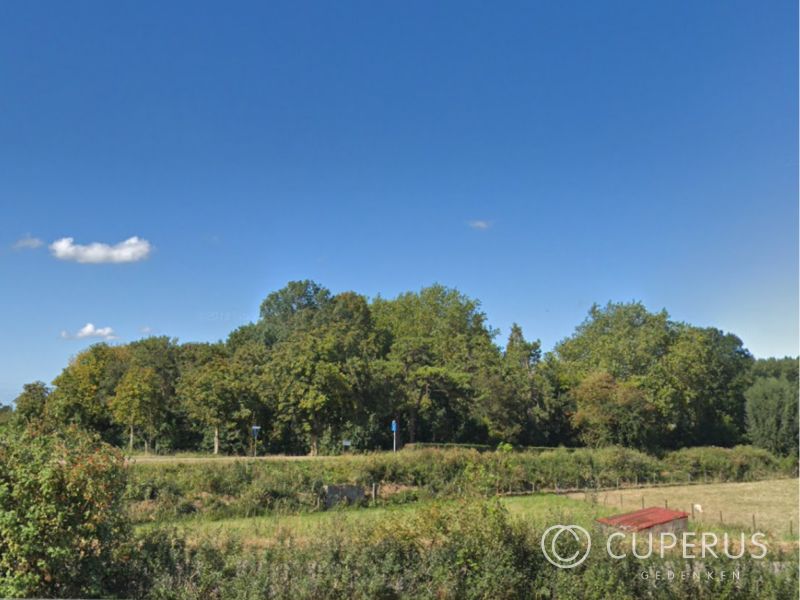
394, 426
256, 429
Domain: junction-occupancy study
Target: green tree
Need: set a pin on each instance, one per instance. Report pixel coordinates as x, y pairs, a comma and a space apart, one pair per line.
698, 387
136, 404
440, 346
30, 404
162, 355
621, 339
512, 410
209, 393
6, 417
312, 388
610, 413
772, 415
320, 374
786, 367
694, 377
295, 306
85, 387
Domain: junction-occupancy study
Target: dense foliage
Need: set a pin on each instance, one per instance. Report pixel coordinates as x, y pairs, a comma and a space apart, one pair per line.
318, 368
772, 414
247, 488
65, 530
469, 550
62, 518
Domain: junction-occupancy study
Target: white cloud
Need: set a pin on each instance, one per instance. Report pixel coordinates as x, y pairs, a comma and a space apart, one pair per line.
27, 243
479, 224
90, 331
131, 250
146, 329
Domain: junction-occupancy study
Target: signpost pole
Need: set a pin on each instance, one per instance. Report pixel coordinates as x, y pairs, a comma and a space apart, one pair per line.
394, 435
256, 429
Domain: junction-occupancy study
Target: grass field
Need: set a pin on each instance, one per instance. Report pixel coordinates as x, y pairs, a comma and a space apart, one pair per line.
774, 503
539, 509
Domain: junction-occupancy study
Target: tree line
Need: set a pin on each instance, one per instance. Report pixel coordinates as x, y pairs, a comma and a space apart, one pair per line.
318, 368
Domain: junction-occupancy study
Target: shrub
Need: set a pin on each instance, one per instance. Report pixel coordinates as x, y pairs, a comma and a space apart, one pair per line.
61, 514
462, 550
247, 488
742, 463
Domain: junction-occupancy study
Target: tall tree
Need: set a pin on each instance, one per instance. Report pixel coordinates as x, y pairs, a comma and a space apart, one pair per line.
85, 387
698, 387
209, 394
162, 354
294, 306
320, 374
136, 403
694, 377
30, 404
621, 339
311, 387
772, 415
786, 367
608, 413
440, 343
512, 409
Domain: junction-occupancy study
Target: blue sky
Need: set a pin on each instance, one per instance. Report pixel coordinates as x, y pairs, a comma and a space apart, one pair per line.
540, 156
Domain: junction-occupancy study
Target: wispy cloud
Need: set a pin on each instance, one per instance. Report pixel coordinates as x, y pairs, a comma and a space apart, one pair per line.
89, 331
146, 329
27, 243
480, 224
131, 250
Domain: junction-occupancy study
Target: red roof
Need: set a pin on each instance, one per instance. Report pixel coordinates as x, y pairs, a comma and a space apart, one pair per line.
643, 519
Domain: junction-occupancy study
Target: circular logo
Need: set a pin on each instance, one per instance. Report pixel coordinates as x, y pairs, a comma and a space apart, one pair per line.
552, 555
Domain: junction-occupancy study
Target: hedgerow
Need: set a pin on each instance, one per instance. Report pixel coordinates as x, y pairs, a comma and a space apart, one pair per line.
246, 487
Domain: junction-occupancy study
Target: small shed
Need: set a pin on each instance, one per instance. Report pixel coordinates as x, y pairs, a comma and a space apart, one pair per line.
650, 520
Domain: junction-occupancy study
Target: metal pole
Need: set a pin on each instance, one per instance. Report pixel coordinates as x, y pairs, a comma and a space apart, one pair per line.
394, 441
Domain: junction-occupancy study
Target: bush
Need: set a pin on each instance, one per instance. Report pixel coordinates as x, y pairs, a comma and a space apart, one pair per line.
248, 488
62, 520
742, 463
463, 550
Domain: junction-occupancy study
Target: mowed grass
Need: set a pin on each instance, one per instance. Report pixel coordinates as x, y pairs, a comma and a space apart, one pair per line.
773, 502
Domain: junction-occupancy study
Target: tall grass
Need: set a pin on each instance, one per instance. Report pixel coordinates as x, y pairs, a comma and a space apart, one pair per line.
248, 488
463, 550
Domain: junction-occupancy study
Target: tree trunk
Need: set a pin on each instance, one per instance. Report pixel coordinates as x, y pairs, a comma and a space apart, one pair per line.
314, 444
130, 441
412, 425
412, 417
146, 446
216, 439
